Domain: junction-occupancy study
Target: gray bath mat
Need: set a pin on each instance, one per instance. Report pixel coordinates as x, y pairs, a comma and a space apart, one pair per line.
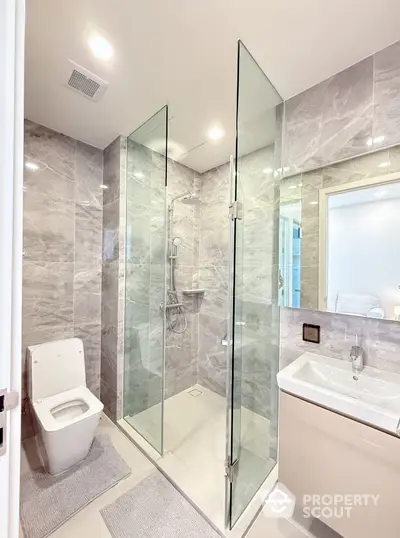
155, 509
49, 501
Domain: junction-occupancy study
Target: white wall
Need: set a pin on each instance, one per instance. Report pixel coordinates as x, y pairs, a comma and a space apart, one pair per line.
364, 251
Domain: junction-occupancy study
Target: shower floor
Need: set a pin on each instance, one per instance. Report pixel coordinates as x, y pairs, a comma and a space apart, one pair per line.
195, 444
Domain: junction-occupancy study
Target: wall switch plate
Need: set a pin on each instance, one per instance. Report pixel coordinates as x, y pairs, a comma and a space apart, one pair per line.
311, 333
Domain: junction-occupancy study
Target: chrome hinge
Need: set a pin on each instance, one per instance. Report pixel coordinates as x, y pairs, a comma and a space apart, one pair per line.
236, 211
8, 400
231, 470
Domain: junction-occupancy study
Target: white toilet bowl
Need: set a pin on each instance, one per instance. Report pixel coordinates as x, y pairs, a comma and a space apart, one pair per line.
67, 413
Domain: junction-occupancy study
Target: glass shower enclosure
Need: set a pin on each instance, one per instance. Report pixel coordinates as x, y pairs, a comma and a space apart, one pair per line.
254, 323
176, 411
145, 274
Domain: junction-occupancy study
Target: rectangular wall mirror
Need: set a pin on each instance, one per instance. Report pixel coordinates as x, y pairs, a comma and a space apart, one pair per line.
339, 246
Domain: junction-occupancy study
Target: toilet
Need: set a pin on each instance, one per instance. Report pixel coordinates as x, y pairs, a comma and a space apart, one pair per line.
67, 413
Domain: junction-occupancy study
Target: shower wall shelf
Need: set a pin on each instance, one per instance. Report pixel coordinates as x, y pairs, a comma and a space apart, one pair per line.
171, 305
193, 292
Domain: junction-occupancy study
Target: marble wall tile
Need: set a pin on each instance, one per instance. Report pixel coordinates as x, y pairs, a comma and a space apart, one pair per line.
88, 176
88, 234
48, 214
352, 113
113, 282
54, 150
387, 95
47, 301
356, 169
212, 357
62, 244
331, 121
380, 339
48, 230
112, 171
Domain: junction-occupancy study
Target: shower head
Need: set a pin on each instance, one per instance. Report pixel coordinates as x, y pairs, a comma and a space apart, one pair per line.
191, 199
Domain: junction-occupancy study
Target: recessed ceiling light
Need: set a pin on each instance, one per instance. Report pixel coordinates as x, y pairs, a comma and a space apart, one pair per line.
102, 186
215, 133
384, 164
138, 175
31, 166
314, 203
100, 47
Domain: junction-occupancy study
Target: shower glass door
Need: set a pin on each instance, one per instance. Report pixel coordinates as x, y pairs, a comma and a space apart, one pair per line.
145, 272
252, 402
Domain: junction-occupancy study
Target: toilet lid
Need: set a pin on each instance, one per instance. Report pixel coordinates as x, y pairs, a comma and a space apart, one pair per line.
56, 367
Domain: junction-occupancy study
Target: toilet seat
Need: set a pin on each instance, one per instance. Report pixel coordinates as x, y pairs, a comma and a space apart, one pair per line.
45, 408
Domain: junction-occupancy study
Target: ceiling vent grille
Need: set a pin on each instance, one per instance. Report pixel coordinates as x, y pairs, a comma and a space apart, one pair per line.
84, 82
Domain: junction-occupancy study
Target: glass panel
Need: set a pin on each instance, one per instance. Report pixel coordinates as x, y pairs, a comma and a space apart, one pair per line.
255, 323
145, 271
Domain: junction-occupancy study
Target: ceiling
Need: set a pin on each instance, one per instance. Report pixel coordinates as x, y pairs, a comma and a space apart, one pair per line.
183, 52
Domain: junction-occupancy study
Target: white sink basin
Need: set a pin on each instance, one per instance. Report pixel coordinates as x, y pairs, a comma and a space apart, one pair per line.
371, 396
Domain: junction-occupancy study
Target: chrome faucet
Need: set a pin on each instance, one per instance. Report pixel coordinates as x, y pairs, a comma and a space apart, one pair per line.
357, 357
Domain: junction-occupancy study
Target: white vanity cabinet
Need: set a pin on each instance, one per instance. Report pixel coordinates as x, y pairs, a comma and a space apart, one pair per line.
321, 452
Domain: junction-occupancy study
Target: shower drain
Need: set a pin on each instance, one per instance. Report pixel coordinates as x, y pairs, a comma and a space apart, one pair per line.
195, 392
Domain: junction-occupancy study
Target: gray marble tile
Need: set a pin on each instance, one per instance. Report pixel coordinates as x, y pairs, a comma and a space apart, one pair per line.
88, 234
214, 237
87, 308
356, 169
90, 333
387, 95
54, 150
112, 171
88, 175
379, 338
109, 294
331, 121
111, 232
46, 182
47, 301
212, 359
214, 279
48, 228
87, 278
